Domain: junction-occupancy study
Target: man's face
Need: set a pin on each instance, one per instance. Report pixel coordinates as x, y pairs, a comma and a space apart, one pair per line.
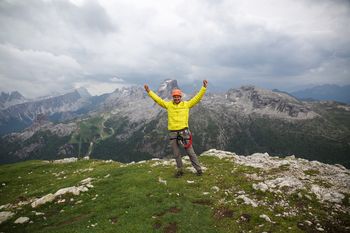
177, 99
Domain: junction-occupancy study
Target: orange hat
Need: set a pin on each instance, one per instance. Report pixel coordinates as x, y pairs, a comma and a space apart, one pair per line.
176, 92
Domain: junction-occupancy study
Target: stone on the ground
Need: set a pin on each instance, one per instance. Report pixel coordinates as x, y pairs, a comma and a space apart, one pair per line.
5, 215
260, 186
74, 190
264, 216
47, 198
22, 220
86, 181
162, 181
247, 200
66, 160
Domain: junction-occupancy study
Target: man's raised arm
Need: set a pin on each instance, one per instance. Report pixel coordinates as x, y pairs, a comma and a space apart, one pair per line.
199, 95
155, 97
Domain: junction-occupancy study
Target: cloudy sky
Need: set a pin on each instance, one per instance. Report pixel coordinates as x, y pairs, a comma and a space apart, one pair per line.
50, 46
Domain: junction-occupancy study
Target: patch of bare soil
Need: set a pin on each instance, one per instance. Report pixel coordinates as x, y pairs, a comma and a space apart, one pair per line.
171, 228
223, 213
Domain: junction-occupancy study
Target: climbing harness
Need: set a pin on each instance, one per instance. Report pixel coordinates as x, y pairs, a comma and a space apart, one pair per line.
183, 137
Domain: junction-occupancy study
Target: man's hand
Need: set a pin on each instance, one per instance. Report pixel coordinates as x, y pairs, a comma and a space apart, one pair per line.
205, 83
146, 88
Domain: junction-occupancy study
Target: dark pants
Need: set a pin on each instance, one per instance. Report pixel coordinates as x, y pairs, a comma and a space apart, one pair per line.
175, 145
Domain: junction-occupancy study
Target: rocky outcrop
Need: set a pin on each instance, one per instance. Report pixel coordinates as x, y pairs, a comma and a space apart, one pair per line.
75, 190
47, 198
328, 183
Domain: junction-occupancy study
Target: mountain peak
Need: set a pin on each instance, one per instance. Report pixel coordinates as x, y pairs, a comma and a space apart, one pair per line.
14, 95
267, 102
12, 98
165, 88
83, 92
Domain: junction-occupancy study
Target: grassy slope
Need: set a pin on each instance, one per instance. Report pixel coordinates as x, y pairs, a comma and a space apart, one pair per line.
131, 199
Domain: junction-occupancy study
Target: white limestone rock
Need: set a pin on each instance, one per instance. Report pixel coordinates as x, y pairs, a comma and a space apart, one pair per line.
264, 216
38, 213
6, 206
22, 220
260, 186
162, 181
5, 215
219, 154
334, 197
65, 160
47, 198
324, 194
286, 181
247, 200
74, 190
87, 180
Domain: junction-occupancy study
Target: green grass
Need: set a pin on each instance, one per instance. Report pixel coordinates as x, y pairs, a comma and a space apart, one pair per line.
131, 199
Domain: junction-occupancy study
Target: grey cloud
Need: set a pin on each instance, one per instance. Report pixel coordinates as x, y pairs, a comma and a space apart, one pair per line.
28, 63
52, 25
90, 17
48, 42
47, 15
228, 42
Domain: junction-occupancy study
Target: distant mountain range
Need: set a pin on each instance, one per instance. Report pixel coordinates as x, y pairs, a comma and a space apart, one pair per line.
325, 92
127, 125
20, 113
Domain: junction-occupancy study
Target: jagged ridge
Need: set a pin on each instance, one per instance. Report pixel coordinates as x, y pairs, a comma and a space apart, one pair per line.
245, 120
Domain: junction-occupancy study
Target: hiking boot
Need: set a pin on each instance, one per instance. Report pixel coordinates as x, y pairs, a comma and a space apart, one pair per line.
179, 174
199, 173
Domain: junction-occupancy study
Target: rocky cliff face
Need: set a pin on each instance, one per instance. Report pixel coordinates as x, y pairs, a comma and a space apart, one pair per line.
165, 89
330, 184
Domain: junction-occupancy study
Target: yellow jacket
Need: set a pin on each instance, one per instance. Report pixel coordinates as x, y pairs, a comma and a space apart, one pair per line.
178, 113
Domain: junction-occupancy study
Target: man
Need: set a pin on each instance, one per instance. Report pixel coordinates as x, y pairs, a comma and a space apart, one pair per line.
178, 114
